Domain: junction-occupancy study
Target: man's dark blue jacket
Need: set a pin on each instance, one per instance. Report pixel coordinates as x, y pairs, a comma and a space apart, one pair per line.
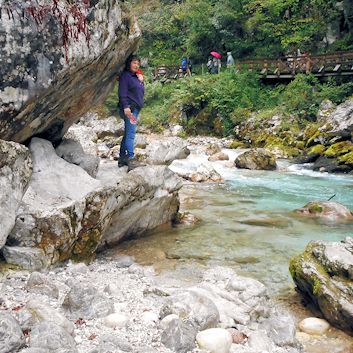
131, 90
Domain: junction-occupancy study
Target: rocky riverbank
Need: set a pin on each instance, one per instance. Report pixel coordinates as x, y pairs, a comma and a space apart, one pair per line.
115, 305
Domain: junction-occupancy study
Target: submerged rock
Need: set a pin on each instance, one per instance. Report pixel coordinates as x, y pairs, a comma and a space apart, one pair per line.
15, 173
55, 84
256, 159
329, 210
324, 273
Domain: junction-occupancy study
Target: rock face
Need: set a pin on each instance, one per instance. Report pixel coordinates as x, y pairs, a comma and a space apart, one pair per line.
324, 273
41, 91
66, 213
328, 210
15, 172
259, 159
330, 141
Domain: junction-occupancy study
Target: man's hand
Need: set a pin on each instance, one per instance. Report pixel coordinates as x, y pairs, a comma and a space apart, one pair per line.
128, 113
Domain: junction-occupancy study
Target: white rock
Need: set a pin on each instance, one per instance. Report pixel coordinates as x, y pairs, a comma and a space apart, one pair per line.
215, 340
115, 320
314, 326
149, 317
165, 322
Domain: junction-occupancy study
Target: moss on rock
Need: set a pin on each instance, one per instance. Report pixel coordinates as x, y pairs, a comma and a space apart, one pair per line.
339, 148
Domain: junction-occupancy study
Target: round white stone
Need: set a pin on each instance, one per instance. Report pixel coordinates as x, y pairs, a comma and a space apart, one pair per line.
166, 320
115, 320
314, 326
149, 317
215, 340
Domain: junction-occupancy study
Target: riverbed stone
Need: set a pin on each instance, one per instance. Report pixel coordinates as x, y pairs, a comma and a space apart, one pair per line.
314, 326
256, 159
52, 337
215, 340
11, 336
115, 320
113, 343
15, 173
38, 283
42, 312
324, 275
179, 336
220, 156
84, 301
193, 306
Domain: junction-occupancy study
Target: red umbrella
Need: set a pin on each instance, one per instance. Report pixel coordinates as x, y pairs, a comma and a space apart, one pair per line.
216, 55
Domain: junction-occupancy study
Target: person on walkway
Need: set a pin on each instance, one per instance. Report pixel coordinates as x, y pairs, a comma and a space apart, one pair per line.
230, 60
131, 101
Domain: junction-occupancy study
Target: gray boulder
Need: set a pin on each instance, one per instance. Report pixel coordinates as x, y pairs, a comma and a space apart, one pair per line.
38, 283
72, 152
179, 336
11, 336
166, 151
83, 301
51, 337
42, 312
324, 274
193, 306
46, 88
15, 173
256, 159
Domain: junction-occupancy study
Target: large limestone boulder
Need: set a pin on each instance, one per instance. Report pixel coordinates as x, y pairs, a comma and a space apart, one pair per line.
324, 273
15, 172
166, 151
45, 88
258, 159
67, 213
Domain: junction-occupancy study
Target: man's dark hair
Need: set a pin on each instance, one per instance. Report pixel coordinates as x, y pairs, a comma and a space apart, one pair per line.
130, 59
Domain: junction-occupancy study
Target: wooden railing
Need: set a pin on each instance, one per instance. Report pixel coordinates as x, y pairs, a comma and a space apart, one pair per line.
331, 64
334, 64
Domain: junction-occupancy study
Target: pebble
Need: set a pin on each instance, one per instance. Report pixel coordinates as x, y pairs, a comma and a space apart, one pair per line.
314, 326
115, 320
215, 340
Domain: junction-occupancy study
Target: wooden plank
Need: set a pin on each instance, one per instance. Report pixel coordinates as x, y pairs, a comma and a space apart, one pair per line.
337, 67
322, 68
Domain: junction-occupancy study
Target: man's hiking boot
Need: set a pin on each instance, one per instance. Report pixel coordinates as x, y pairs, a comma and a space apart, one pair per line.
132, 163
122, 162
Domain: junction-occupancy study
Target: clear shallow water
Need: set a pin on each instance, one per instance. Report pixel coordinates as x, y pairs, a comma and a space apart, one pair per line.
247, 222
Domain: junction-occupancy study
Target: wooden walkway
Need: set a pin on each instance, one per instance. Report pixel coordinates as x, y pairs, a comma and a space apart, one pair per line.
324, 65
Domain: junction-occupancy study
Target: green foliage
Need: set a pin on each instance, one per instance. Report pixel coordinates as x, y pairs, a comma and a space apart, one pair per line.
248, 28
215, 104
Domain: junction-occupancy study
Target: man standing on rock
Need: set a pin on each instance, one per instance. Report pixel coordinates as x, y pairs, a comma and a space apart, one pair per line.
131, 99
